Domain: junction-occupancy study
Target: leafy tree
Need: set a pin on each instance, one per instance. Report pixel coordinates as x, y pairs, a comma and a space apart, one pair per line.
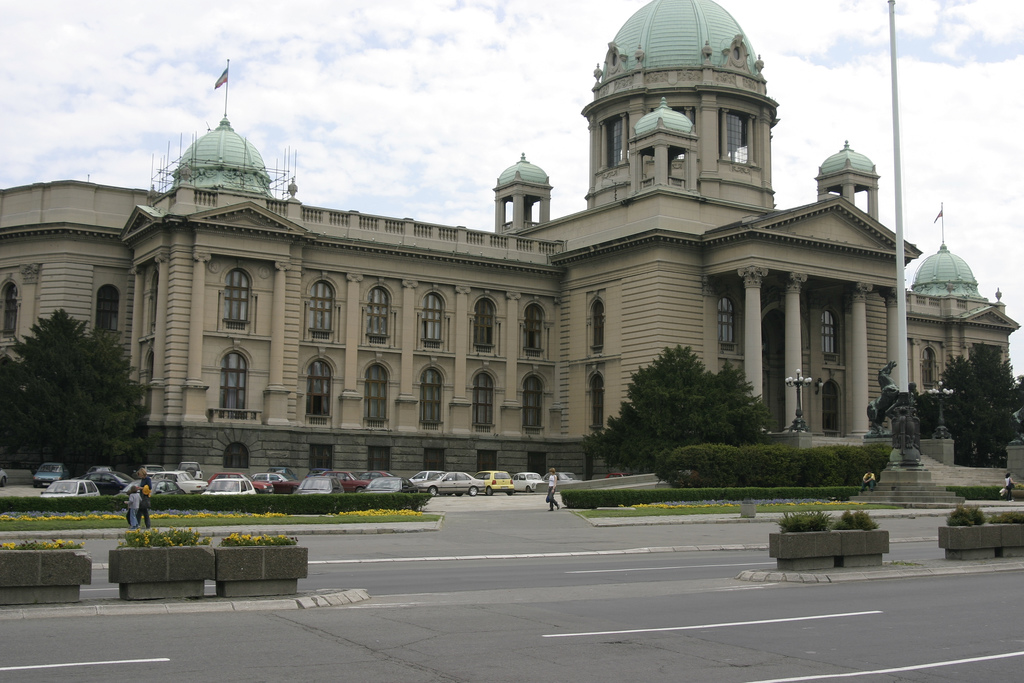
676, 402
977, 414
69, 396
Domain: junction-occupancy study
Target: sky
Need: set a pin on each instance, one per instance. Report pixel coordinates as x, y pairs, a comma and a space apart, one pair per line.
413, 108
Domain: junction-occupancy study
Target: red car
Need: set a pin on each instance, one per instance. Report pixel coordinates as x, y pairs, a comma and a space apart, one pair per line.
374, 474
278, 482
259, 486
349, 482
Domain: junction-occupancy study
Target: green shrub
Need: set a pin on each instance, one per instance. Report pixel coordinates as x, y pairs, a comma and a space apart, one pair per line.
167, 538
965, 515
797, 522
976, 492
595, 498
858, 519
1011, 517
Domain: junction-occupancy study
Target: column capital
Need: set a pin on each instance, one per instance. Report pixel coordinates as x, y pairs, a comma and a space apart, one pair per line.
282, 265
752, 275
513, 296
796, 281
201, 256
707, 286
463, 289
410, 284
162, 257
860, 290
888, 295
353, 277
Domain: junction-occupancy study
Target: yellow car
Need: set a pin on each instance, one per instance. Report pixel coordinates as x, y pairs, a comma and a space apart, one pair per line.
495, 480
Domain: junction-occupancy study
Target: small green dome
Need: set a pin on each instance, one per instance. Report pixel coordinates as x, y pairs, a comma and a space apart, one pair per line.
671, 119
942, 269
673, 33
223, 160
527, 172
838, 161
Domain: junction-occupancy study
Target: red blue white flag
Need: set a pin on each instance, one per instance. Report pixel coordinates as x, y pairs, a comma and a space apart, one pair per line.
222, 80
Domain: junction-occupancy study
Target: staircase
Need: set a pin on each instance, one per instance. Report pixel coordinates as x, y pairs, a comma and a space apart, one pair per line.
957, 475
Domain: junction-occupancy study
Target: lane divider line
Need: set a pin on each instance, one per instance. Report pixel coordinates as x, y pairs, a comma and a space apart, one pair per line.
72, 664
699, 627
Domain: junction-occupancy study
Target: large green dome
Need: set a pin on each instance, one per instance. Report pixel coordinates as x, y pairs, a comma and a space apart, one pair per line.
673, 33
223, 160
945, 274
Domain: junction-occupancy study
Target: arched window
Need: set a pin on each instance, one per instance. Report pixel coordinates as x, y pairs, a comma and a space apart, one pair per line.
726, 321
236, 457
433, 312
375, 393
483, 399
232, 382
533, 394
534, 327
927, 367
829, 334
108, 301
377, 310
10, 308
597, 325
318, 389
430, 396
596, 402
483, 323
736, 138
236, 297
321, 306
830, 408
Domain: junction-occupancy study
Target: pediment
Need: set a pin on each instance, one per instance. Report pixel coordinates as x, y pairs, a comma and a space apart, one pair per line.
990, 316
247, 216
141, 218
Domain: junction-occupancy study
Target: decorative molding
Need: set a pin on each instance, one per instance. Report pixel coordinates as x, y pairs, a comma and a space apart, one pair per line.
752, 275
354, 277
463, 289
30, 273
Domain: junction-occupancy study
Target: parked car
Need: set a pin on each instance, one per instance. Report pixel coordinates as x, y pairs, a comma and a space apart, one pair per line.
391, 485
98, 468
349, 482
528, 482
3, 478
423, 475
279, 482
450, 483
319, 485
160, 487
373, 474
108, 482
182, 479
496, 480
316, 471
262, 485
152, 469
50, 472
286, 471
566, 476
63, 488
192, 468
613, 475
230, 487
226, 475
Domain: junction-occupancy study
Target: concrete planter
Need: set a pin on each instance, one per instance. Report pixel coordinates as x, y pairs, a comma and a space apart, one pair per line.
260, 570
982, 542
30, 577
828, 549
148, 573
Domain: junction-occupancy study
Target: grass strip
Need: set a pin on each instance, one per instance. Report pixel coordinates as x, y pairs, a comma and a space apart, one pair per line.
263, 522
723, 510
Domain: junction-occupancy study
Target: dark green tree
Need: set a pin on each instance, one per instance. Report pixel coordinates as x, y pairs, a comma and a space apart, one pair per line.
69, 396
676, 402
977, 414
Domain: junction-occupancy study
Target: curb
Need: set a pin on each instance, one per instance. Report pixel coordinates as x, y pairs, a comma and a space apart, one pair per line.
881, 573
216, 531
112, 607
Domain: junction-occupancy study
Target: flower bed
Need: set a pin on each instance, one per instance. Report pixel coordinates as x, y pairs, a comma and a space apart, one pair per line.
43, 572
812, 540
150, 564
969, 535
260, 565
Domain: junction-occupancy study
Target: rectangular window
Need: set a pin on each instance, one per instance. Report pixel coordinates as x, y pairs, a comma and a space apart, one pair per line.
486, 460
613, 130
321, 455
378, 458
433, 458
736, 140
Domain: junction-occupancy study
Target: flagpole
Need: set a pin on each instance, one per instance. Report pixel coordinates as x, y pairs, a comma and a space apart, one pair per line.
227, 86
942, 215
901, 277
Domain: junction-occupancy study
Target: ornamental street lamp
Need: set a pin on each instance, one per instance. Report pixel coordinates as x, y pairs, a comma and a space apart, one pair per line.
938, 391
799, 382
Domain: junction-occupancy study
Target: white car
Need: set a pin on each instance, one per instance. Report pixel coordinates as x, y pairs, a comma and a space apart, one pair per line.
528, 481
3, 477
183, 479
452, 482
230, 487
71, 487
426, 474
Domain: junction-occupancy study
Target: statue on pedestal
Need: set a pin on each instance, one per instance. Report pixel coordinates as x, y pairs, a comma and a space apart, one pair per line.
878, 408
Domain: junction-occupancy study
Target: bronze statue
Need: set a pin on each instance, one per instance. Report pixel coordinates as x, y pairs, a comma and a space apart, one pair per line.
878, 408
1017, 419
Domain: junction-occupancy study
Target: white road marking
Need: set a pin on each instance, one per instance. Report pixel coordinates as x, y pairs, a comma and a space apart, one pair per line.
898, 669
658, 569
698, 627
71, 664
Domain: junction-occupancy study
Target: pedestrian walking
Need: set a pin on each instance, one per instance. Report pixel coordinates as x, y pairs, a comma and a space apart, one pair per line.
1009, 487
134, 500
145, 491
552, 485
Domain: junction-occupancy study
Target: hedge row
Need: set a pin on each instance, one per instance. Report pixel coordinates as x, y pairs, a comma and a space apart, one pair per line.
594, 498
320, 504
976, 492
773, 465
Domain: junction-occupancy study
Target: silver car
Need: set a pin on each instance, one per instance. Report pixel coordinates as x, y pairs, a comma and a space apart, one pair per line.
450, 483
528, 482
3, 477
186, 481
71, 487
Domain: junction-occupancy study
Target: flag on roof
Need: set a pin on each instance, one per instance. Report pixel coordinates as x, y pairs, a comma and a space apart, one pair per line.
933, 222
222, 80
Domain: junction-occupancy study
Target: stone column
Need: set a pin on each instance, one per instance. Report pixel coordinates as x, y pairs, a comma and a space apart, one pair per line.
406, 403
158, 381
661, 165
892, 323
275, 398
138, 319
711, 345
27, 314
859, 359
194, 388
511, 410
350, 400
752, 277
459, 410
794, 339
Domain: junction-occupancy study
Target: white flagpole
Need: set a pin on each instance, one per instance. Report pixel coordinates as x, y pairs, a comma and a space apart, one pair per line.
901, 277
227, 86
